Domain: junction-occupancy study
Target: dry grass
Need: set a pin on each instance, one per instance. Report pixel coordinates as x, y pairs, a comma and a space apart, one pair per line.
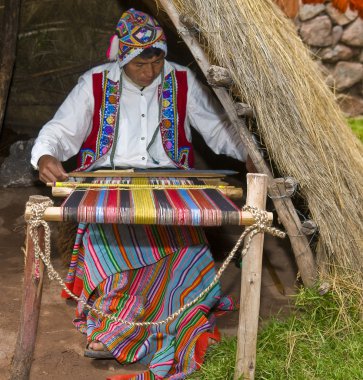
305, 133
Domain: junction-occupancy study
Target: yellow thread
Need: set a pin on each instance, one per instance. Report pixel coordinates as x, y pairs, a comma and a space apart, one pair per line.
144, 207
135, 186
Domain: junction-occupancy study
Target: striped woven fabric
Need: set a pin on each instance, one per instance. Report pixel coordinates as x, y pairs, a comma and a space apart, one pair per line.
102, 250
179, 206
145, 273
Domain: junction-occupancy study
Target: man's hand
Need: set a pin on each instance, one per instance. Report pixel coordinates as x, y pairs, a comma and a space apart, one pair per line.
50, 169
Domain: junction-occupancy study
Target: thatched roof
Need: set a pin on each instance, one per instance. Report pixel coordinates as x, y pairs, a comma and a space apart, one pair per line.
297, 116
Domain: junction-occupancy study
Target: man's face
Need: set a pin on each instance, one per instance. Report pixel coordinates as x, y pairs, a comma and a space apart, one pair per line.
143, 71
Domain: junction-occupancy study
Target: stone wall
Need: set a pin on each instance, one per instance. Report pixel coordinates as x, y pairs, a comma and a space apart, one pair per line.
336, 40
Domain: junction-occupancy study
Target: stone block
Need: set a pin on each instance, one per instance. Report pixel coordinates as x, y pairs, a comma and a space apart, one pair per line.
309, 11
353, 34
337, 33
351, 106
337, 53
347, 74
16, 169
317, 32
339, 17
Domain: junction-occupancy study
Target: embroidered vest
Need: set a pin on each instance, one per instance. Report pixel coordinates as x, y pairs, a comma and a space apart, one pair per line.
173, 113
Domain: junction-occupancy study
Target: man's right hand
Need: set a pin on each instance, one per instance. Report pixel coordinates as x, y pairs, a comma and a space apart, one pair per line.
50, 169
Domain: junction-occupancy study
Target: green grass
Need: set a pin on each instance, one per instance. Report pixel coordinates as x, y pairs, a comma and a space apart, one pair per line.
321, 340
357, 126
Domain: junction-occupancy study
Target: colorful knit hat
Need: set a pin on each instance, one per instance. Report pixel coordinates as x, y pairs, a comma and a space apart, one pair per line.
135, 32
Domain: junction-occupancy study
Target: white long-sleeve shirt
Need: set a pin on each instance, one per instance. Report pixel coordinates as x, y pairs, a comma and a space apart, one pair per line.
63, 136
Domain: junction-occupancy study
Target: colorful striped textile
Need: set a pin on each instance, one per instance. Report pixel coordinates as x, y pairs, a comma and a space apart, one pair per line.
143, 205
102, 250
145, 273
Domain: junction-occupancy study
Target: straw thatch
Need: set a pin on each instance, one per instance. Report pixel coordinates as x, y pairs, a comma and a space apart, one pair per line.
304, 131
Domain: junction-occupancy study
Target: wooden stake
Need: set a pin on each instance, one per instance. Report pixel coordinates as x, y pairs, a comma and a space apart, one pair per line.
30, 308
251, 286
285, 208
299, 242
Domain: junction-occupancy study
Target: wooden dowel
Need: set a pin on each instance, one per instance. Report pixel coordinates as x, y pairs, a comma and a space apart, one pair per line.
309, 227
30, 307
251, 286
231, 192
244, 109
219, 77
155, 173
54, 214
61, 192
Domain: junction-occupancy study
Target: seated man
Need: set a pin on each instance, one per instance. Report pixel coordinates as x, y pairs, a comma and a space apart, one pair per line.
136, 112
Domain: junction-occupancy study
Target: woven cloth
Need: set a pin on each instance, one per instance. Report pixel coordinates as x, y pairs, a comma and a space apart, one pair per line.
145, 273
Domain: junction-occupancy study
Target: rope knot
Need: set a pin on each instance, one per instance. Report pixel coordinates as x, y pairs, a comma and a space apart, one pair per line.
261, 225
37, 211
262, 222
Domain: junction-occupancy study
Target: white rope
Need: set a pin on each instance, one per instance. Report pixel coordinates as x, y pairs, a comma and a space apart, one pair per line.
37, 211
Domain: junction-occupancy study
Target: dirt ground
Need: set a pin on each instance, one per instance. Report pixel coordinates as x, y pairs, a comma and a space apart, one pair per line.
59, 347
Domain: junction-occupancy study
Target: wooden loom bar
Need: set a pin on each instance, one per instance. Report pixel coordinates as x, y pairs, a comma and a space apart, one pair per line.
30, 307
154, 173
229, 191
283, 205
251, 286
54, 214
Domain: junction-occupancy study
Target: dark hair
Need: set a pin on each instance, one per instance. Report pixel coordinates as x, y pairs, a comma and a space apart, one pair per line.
151, 52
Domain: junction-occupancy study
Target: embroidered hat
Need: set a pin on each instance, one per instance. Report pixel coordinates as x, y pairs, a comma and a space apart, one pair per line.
135, 32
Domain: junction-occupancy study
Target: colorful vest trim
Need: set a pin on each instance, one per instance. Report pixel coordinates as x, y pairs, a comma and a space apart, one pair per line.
173, 113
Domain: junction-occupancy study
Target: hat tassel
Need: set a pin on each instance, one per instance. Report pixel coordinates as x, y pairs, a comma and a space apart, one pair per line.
113, 48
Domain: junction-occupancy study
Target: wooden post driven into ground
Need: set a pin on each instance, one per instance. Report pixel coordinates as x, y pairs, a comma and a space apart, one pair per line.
30, 307
283, 205
251, 286
9, 35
